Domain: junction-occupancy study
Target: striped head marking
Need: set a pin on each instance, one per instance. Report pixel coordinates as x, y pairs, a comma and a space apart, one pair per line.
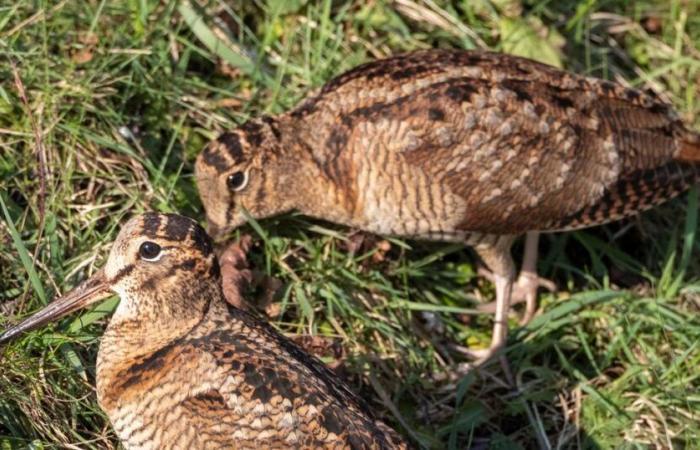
154, 250
160, 265
231, 174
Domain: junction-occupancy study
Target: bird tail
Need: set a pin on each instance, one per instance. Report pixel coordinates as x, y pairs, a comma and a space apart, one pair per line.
642, 189
690, 148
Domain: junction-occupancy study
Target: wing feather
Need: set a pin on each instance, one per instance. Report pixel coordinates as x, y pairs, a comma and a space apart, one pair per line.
523, 145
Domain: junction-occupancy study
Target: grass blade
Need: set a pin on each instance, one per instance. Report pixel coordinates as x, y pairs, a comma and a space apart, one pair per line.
225, 50
23, 253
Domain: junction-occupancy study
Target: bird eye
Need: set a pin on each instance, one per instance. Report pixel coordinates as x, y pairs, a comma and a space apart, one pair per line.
237, 181
150, 251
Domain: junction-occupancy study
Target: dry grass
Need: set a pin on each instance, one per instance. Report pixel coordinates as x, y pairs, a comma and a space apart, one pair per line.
121, 97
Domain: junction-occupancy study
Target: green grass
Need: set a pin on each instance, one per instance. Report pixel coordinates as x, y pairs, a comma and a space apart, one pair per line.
120, 97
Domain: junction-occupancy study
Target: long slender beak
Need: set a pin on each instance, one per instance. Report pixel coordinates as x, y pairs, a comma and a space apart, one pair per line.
88, 292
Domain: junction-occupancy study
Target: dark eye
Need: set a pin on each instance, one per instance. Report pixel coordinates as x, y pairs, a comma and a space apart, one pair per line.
237, 181
150, 251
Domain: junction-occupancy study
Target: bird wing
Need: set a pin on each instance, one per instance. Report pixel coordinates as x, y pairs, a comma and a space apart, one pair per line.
543, 154
267, 391
523, 145
233, 381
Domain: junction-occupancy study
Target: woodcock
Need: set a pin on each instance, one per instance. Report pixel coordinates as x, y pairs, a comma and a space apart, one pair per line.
453, 145
178, 368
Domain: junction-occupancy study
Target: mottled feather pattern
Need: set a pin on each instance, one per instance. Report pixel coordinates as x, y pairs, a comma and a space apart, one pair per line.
465, 146
443, 144
518, 142
179, 368
249, 385
642, 190
690, 148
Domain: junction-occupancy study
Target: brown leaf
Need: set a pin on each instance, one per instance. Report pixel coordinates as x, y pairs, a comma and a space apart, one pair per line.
652, 24
86, 50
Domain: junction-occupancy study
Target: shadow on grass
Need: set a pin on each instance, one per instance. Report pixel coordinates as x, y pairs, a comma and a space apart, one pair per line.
587, 369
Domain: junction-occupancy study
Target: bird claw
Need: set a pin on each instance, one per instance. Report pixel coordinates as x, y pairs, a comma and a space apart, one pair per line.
480, 356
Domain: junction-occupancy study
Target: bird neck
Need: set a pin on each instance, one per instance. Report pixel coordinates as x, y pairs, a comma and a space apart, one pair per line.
321, 184
149, 323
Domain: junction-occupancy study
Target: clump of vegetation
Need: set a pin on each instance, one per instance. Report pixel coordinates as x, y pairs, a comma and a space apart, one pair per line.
104, 106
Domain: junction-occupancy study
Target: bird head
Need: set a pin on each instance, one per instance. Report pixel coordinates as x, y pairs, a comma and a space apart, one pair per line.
160, 265
243, 170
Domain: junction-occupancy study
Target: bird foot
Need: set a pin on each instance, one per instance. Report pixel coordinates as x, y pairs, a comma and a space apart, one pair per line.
235, 274
483, 355
479, 355
524, 291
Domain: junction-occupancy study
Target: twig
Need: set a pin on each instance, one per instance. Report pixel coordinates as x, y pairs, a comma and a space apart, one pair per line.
39, 15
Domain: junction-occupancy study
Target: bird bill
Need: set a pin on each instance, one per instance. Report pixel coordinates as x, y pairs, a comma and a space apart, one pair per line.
87, 293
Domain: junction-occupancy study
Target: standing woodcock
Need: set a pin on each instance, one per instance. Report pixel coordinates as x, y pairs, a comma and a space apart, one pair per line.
476, 147
179, 369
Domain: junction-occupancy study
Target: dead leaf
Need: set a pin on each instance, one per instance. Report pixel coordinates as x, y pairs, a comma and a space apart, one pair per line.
86, 48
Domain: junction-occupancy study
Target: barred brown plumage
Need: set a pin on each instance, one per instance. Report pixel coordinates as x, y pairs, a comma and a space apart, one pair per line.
456, 145
178, 368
